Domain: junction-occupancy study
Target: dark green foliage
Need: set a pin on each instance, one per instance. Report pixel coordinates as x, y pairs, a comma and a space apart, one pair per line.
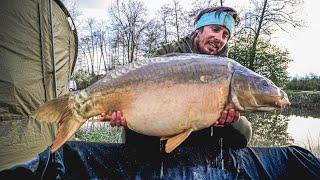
270, 60
308, 83
304, 99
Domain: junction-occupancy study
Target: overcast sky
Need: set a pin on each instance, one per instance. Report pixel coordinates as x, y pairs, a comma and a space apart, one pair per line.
302, 44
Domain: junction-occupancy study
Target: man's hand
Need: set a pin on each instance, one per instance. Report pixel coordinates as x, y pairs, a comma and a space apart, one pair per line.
117, 118
227, 117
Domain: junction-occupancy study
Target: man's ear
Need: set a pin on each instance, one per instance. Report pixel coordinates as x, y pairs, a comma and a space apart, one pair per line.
224, 51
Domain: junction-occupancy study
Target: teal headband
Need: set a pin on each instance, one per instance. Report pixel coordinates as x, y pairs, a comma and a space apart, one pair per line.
212, 18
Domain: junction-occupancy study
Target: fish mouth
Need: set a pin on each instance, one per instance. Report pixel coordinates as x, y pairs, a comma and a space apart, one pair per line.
263, 108
278, 105
283, 103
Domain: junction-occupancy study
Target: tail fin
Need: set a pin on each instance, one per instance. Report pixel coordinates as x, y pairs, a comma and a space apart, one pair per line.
53, 110
59, 110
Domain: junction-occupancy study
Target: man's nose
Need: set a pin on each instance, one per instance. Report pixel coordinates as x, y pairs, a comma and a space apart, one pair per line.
218, 36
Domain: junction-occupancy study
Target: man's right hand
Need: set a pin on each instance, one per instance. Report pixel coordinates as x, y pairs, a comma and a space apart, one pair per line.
117, 118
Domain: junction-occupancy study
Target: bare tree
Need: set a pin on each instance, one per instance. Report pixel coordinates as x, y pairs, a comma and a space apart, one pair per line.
268, 16
91, 42
74, 10
101, 57
179, 20
128, 19
197, 6
82, 56
152, 36
108, 51
164, 17
177, 15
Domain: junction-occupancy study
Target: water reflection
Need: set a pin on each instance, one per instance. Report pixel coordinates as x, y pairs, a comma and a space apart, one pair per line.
313, 112
269, 129
295, 126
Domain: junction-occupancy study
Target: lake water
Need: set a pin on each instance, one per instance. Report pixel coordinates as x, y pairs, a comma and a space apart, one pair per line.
293, 127
304, 129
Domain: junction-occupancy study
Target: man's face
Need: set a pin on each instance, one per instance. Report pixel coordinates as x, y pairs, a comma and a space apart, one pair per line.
211, 39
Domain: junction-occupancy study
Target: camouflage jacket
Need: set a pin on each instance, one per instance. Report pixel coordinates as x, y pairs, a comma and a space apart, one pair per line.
182, 46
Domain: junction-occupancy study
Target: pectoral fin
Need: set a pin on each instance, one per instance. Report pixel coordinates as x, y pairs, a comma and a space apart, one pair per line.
164, 138
176, 140
65, 131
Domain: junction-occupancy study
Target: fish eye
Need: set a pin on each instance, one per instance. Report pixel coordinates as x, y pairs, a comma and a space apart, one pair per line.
265, 83
241, 69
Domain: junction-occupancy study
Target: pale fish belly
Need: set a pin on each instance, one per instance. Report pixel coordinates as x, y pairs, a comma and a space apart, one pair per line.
163, 111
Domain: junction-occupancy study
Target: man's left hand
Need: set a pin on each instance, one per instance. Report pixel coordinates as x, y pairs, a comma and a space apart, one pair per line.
227, 117
116, 119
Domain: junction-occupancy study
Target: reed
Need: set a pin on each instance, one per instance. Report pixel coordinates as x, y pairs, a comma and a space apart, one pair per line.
313, 147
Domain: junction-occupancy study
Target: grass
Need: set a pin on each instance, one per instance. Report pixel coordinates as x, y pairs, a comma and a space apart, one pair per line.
99, 132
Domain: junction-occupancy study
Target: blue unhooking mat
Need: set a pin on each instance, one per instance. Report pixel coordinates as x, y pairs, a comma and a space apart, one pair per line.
85, 160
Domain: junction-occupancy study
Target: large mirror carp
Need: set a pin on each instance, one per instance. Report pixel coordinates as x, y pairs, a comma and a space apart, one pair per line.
168, 97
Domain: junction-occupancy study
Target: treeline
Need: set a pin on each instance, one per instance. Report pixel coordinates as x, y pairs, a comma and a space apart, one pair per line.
307, 83
130, 33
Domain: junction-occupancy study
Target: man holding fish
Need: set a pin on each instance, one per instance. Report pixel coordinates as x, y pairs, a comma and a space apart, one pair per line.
213, 29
